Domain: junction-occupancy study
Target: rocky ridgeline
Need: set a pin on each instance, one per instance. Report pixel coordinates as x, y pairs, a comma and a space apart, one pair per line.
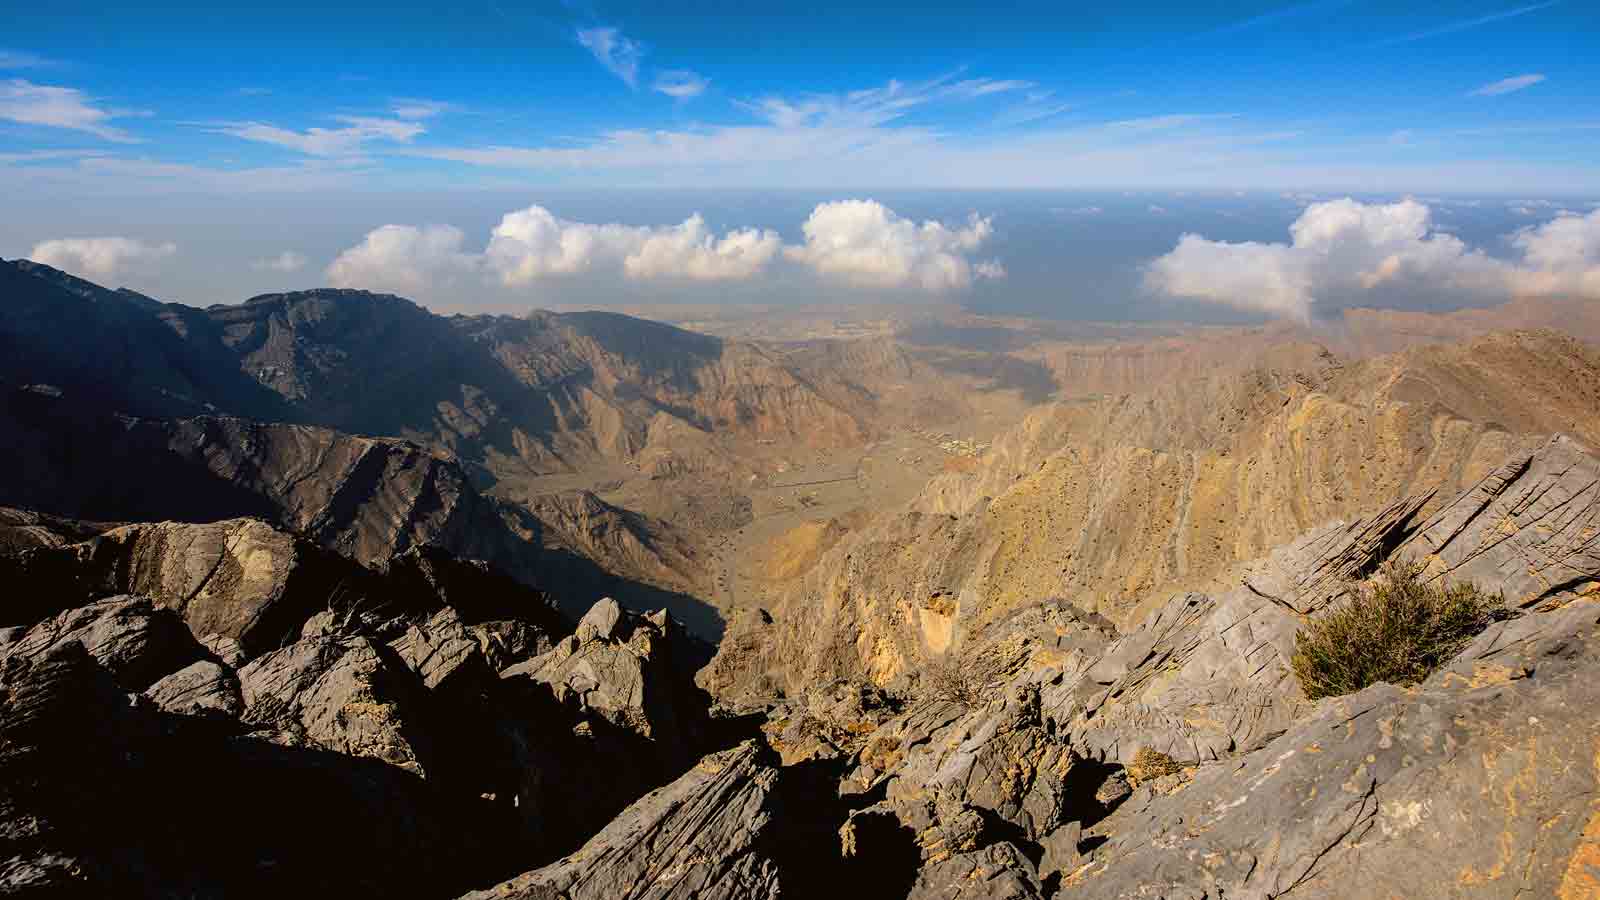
228, 709
1180, 759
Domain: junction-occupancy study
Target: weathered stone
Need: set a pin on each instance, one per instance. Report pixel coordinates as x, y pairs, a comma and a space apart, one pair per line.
441, 649
699, 837
225, 649
997, 872
1527, 529
600, 622
133, 640
338, 694
1480, 783
202, 688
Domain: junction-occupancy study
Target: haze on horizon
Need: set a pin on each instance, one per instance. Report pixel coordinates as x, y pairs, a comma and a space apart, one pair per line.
1156, 161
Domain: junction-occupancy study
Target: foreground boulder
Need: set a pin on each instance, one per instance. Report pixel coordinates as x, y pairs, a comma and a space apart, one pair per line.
339, 694
101, 797
1480, 783
135, 642
699, 837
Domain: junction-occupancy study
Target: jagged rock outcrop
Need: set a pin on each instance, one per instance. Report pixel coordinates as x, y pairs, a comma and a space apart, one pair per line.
634, 672
202, 688
133, 640
700, 837
338, 694
1480, 783
1528, 527
100, 797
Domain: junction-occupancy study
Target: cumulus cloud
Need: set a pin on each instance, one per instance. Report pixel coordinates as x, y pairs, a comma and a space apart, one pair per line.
680, 84
614, 50
857, 242
533, 243
287, 261
403, 259
1507, 85
692, 251
27, 103
1562, 256
102, 259
864, 243
318, 141
1344, 250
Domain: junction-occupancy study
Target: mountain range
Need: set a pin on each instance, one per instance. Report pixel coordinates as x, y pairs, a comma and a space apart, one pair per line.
441, 605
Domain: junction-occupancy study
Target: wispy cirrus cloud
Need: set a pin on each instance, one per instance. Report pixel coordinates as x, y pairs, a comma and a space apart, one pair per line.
1507, 85
680, 84
19, 59
1036, 106
27, 103
327, 142
286, 262
1464, 24
619, 54
972, 88
413, 108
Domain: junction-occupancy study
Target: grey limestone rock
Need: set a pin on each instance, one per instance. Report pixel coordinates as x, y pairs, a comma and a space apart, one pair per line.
136, 642
699, 837
202, 688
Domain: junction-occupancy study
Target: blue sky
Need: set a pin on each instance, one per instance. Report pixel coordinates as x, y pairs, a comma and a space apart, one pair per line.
1335, 94
1021, 157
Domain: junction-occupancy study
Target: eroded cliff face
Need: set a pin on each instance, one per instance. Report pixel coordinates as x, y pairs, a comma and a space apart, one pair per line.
1118, 501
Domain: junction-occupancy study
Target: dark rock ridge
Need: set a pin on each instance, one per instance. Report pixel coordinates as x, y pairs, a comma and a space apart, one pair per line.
309, 687
372, 500
547, 391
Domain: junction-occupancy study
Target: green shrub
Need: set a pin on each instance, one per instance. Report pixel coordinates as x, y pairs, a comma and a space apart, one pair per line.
1398, 629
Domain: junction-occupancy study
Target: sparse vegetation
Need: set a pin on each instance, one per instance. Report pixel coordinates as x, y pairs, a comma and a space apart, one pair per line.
1149, 765
952, 679
1399, 629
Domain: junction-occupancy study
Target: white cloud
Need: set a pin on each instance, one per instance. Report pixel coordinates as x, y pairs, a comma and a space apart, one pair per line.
1338, 247
402, 259
680, 84
58, 107
983, 87
1345, 250
692, 251
287, 261
532, 243
344, 141
858, 242
864, 243
615, 51
415, 108
1562, 256
101, 259
1037, 105
1507, 85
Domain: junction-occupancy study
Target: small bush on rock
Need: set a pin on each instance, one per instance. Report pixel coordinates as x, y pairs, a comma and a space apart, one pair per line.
1148, 765
1397, 629
954, 680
